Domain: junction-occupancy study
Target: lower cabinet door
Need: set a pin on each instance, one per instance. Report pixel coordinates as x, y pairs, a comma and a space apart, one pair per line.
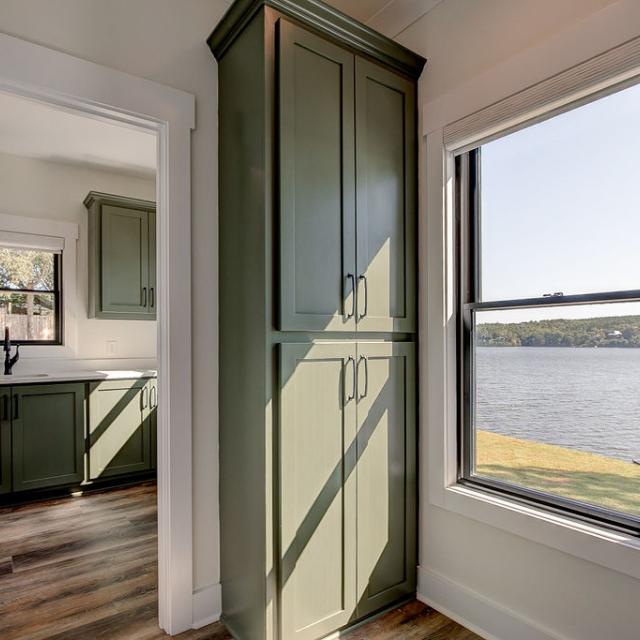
119, 428
317, 488
5, 441
386, 474
47, 424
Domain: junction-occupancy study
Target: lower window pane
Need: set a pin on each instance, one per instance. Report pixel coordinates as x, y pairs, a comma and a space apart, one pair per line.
557, 401
29, 316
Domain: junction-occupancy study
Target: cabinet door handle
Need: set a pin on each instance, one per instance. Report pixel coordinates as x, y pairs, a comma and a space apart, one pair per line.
152, 297
153, 398
16, 407
366, 295
143, 397
365, 360
144, 296
352, 279
349, 398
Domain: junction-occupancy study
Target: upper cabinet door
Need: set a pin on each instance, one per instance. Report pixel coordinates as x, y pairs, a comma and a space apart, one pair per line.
317, 174
386, 199
317, 488
125, 260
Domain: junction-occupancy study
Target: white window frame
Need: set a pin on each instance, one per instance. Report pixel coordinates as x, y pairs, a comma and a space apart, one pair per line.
598, 76
68, 233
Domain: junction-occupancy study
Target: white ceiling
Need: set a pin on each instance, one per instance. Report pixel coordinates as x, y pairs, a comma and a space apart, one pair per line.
390, 17
36, 130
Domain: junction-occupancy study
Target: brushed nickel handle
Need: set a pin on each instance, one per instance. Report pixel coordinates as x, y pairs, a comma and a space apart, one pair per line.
349, 398
144, 397
365, 360
366, 295
352, 278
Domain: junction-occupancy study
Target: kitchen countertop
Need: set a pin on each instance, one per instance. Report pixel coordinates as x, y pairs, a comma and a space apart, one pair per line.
75, 376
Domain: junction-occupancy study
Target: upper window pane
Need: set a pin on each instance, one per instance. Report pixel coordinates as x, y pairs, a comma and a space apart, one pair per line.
560, 204
27, 269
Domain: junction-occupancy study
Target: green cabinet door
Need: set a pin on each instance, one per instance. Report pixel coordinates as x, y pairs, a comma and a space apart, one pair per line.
317, 183
48, 435
386, 199
5, 440
386, 474
317, 488
152, 301
119, 428
125, 260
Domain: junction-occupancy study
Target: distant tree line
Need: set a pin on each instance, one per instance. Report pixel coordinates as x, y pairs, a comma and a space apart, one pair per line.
619, 331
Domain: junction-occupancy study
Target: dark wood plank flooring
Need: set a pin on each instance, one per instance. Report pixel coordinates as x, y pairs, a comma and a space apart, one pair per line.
85, 568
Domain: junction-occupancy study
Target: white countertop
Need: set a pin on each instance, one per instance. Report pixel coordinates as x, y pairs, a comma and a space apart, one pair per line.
73, 376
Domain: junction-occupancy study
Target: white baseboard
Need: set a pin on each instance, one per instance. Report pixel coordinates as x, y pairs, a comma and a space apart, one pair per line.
476, 612
207, 606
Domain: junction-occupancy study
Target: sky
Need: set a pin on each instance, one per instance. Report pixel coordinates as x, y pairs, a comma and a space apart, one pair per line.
561, 209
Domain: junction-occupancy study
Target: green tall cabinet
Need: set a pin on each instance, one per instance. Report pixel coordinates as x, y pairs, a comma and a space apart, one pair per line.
318, 320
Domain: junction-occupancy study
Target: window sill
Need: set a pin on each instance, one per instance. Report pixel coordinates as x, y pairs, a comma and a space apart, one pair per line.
617, 551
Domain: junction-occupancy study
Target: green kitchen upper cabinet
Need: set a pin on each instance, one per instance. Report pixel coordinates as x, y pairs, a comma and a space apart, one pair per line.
122, 263
119, 428
317, 488
47, 424
386, 474
317, 183
5, 440
386, 199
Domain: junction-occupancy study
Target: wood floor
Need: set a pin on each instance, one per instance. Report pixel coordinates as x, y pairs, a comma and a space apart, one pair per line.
86, 569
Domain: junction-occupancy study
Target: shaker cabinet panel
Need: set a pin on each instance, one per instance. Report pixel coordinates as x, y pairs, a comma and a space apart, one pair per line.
386, 200
5, 441
317, 198
119, 428
386, 474
317, 489
47, 424
125, 260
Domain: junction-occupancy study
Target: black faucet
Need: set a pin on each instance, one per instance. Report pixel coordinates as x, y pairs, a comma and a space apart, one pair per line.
8, 360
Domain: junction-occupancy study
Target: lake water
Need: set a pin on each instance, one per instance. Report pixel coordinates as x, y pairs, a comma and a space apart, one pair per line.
584, 399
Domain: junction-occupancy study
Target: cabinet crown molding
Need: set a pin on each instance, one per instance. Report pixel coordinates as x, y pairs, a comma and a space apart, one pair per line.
324, 19
112, 199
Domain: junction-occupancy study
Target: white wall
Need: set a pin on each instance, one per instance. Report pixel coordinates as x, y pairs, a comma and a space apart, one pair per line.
515, 589
55, 191
165, 41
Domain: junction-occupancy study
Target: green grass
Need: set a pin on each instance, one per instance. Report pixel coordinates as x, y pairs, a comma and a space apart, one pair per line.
587, 477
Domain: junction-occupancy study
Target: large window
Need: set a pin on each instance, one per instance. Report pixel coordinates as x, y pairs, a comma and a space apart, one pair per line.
30, 295
549, 312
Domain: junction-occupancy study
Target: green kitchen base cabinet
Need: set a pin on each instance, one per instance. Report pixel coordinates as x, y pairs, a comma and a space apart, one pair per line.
47, 428
119, 428
5, 441
347, 483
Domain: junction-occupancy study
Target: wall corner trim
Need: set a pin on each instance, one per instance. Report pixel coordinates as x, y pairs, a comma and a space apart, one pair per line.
207, 605
477, 612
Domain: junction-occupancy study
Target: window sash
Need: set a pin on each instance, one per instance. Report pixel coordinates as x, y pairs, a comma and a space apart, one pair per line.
468, 288
57, 298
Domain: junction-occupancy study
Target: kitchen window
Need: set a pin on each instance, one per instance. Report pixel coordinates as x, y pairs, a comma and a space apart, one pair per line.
548, 258
30, 289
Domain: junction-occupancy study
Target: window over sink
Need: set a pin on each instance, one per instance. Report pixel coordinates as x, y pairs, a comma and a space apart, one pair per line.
30, 289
